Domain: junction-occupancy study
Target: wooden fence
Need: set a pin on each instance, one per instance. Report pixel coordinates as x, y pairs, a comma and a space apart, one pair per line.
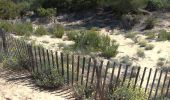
89, 71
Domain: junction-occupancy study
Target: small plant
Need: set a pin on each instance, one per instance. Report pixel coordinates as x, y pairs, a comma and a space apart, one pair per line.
49, 12
126, 60
58, 31
149, 47
49, 78
6, 26
72, 35
142, 43
140, 53
161, 62
23, 29
163, 35
130, 35
41, 31
151, 35
150, 23
125, 93
82, 92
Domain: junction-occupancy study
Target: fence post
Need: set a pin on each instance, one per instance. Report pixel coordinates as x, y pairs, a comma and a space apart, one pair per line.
4, 44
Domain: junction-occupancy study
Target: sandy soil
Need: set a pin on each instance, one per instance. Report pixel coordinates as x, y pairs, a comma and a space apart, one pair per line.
15, 86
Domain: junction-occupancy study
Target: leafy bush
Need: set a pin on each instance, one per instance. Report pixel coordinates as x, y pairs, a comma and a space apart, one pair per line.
41, 31
48, 78
130, 35
58, 31
125, 93
82, 92
149, 47
163, 35
151, 35
140, 53
142, 43
150, 23
72, 35
23, 29
90, 40
7, 26
49, 12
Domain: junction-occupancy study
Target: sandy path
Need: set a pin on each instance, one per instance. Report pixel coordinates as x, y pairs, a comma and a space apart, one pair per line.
19, 88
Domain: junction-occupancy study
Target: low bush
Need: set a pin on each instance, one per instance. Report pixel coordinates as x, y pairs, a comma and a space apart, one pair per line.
49, 79
58, 31
41, 31
140, 53
82, 92
151, 35
142, 43
125, 93
23, 29
163, 35
7, 26
130, 35
150, 23
126, 60
72, 35
49, 12
149, 47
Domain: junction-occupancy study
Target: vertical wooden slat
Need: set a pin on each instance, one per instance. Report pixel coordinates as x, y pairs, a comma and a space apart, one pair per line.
39, 52
125, 74
82, 74
106, 71
78, 64
57, 64
167, 91
35, 56
52, 58
130, 78
94, 67
88, 69
163, 86
111, 78
148, 79
62, 64
72, 69
48, 60
68, 79
142, 77
136, 79
44, 59
117, 79
153, 82
31, 58
158, 85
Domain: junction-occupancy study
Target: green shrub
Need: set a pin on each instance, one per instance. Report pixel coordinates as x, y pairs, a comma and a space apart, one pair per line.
58, 31
41, 31
49, 78
92, 41
149, 47
151, 35
142, 43
163, 35
72, 35
150, 23
140, 53
125, 93
82, 92
49, 12
130, 35
7, 26
23, 29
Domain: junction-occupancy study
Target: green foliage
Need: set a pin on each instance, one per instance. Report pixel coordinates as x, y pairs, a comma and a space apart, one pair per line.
48, 78
58, 31
125, 93
150, 23
49, 12
72, 35
92, 41
130, 35
163, 35
149, 47
82, 92
160, 4
140, 53
23, 29
142, 43
151, 35
41, 31
7, 26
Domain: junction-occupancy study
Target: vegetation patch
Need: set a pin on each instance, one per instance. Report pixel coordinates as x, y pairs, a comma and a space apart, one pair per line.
57, 31
149, 47
41, 31
140, 53
163, 35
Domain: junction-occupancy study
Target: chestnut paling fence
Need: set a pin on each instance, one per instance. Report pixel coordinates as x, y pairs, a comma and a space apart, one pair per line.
87, 71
